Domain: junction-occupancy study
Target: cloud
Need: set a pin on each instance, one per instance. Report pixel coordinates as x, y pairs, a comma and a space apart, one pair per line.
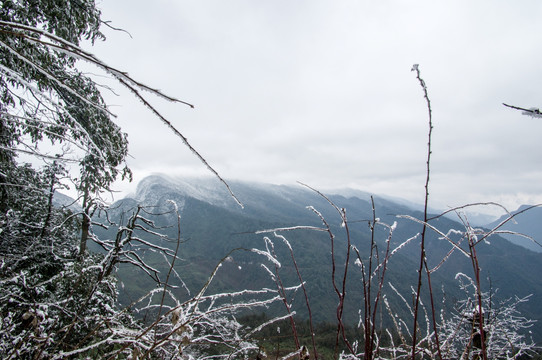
322, 92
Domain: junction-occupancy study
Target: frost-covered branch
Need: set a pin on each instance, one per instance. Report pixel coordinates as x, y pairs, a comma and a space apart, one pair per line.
532, 112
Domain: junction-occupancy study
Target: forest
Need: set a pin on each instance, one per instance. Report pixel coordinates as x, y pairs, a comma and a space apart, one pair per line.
67, 267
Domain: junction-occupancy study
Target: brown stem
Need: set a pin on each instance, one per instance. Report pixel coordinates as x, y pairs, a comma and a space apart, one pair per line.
423, 259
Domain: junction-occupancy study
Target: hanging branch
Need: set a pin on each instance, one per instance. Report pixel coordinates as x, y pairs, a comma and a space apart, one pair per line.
183, 138
63, 46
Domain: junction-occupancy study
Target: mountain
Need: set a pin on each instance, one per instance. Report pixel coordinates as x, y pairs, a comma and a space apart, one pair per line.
526, 221
212, 225
62, 200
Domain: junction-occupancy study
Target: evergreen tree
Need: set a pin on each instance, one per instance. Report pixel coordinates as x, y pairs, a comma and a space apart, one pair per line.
58, 300
45, 97
51, 298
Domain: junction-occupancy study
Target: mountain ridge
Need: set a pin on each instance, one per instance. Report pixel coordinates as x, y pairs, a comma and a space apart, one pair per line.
526, 222
213, 224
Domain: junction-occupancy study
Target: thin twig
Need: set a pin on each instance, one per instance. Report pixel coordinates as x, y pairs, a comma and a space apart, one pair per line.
423, 257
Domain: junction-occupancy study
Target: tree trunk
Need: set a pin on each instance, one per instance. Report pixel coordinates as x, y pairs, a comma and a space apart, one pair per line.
85, 228
45, 228
85, 223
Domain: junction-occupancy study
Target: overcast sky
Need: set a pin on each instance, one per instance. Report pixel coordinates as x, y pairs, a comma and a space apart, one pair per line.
322, 92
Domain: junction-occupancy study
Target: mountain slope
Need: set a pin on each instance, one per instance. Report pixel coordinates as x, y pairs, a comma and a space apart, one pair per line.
212, 224
527, 221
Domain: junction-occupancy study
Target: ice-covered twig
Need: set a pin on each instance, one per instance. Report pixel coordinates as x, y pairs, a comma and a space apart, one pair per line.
533, 112
440, 233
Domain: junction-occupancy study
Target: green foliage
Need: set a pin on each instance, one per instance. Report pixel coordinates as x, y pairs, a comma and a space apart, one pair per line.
51, 300
71, 20
44, 96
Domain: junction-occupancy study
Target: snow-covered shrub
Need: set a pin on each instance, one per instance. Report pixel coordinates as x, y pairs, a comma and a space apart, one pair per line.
505, 330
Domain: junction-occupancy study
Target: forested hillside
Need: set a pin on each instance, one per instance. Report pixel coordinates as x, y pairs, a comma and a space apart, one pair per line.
527, 223
212, 224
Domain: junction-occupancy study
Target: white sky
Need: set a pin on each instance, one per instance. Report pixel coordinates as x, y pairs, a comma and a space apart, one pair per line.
321, 92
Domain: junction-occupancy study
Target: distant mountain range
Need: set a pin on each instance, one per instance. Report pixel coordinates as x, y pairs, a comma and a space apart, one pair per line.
527, 221
212, 224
